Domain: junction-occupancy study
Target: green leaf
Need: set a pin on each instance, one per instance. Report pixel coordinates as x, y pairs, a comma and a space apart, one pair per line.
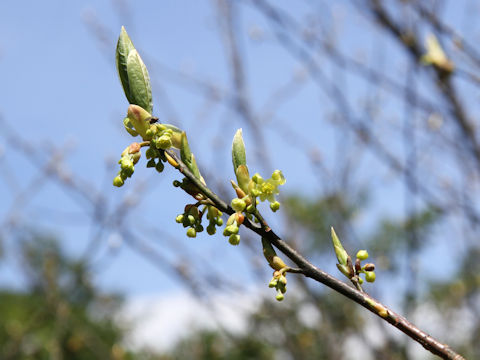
139, 82
124, 46
238, 151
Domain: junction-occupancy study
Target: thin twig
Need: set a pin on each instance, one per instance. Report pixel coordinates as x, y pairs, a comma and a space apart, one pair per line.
309, 270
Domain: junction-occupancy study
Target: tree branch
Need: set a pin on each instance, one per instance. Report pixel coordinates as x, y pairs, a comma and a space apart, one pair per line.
309, 270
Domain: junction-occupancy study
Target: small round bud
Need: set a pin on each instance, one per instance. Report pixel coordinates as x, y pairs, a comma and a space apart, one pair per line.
219, 221
276, 175
126, 163
150, 153
255, 192
191, 233
362, 255
151, 163
234, 239
179, 218
370, 276
124, 173
199, 228
211, 229
250, 208
163, 142
360, 280
369, 267
257, 178
238, 204
275, 206
176, 183
159, 167
191, 219
279, 296
118, 181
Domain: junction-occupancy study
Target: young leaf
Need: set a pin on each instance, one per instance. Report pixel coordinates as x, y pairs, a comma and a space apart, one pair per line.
139, 82
124, 46
238, 150
340, 252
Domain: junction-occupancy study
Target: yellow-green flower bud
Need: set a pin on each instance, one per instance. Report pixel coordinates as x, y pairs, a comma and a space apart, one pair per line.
234, 239
191, 233
238, 204
279, 296
118, 181
275, 206
370, 276
362, 255
179, 218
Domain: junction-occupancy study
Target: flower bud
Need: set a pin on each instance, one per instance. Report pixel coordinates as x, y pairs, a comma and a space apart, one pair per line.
118, 181
279, 296
369, 267
159, 167
191, 233
362, 255
211, 230
275, 206
179, 218
370, 276
238, 204
234, 239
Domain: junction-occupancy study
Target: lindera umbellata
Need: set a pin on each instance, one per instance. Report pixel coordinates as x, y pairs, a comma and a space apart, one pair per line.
168, 145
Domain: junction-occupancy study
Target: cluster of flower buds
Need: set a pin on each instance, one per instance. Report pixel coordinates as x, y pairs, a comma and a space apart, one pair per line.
267, 189
250, 190
192, 218
232, 228
130, 157
279, 280
367, 269
346, 266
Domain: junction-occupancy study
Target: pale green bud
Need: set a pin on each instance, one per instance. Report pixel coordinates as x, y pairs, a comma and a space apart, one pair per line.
234, 239
238, 204
191, 233
118, 181
179, 218
275, 206
370, 276
362, 255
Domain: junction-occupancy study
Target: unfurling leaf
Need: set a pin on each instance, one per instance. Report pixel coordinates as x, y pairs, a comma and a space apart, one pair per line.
342, 255
133, 73
238, 151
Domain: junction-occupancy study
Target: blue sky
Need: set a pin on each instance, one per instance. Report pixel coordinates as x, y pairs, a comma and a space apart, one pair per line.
60, 87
